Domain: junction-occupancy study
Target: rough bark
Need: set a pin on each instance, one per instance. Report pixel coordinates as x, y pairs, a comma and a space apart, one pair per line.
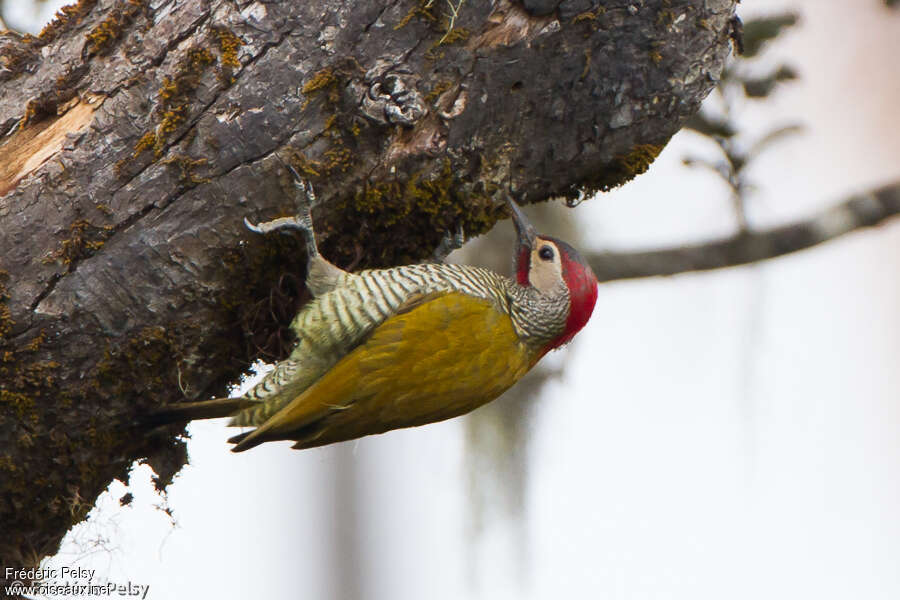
137, 135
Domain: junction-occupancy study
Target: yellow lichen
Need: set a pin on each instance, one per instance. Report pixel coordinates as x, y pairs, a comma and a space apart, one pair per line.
228, 44
100, 38
423, 9
66, 18
6, 321
319, 80
186, 165
589, 15
147, 141
587, 63
174, 92
174, 101
439, 88
456, 34
305, 166
84, 239
338, 158
665, 18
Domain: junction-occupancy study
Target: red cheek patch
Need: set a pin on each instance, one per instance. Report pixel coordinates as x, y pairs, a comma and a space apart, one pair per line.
582, 296
523, 265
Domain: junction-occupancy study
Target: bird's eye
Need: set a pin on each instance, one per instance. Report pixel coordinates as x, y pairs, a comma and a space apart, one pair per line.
546, 253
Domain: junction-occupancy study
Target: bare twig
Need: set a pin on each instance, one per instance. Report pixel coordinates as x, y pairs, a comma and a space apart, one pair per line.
856, 213
454, 12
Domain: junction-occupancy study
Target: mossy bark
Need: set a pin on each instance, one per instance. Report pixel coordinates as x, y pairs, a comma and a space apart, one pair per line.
137, 135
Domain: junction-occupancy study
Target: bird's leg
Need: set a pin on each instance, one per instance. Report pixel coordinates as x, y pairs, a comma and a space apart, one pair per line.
302, 221
453, 240
321, 276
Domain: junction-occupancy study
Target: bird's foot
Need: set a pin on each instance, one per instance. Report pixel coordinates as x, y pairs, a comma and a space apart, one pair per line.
302, 221
453, 240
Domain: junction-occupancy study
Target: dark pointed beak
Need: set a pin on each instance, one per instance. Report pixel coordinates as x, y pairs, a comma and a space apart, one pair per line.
524, 228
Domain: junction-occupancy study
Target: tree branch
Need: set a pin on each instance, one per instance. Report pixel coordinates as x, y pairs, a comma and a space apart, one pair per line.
856, 213
135, 136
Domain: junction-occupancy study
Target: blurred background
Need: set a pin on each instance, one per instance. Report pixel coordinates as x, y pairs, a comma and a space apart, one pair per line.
725, 434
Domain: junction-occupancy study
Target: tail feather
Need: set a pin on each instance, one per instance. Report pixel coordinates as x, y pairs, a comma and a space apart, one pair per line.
253, 438
183, 412
238, 440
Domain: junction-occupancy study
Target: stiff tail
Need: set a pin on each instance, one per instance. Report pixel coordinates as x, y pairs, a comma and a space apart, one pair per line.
183, 412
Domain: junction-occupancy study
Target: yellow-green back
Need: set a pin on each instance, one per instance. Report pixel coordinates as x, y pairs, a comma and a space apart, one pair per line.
439, 360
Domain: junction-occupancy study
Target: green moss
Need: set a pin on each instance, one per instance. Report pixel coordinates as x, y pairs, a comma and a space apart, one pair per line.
7, 464
665, 18
655, 51
6, 321
146, 349
35, 344
26, 387
625, 167
640, 158
401, 220
22, 404
176, 92
52, 458
272, 271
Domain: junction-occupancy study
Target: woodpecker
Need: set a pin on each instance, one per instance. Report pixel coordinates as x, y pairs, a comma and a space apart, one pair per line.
384, 349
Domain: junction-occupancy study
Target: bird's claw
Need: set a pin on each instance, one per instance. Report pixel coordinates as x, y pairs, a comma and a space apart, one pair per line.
305, 186
295, 222
301, 221
452, 240
252, 227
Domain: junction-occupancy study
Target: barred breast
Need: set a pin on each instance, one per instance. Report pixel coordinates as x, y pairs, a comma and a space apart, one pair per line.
336, 322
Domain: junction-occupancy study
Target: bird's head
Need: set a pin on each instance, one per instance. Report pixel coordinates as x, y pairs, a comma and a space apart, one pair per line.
549, 265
